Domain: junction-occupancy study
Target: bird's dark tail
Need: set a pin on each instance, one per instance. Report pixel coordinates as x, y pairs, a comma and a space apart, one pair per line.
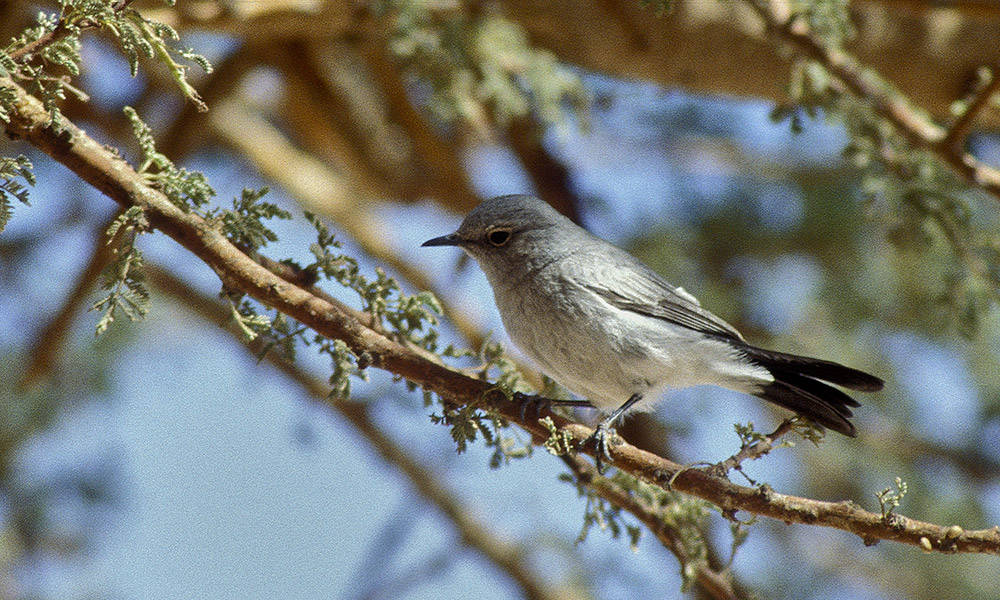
801, 385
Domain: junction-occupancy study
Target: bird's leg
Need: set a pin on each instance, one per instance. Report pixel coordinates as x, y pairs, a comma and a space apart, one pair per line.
606, 428
536, 403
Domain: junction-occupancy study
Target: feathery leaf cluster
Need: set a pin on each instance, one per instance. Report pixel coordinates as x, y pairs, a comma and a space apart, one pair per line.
479, 68
185, 189
123, 278
244, 224
12, 170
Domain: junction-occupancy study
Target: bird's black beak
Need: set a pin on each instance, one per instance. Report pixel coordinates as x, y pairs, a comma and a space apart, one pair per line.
445, 240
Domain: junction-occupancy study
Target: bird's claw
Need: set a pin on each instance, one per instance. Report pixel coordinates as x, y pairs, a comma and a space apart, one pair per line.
602, 438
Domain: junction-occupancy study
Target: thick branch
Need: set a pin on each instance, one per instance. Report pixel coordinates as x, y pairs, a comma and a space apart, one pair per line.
106, 171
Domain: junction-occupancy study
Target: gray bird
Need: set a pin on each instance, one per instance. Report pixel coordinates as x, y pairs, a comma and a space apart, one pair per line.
611, 330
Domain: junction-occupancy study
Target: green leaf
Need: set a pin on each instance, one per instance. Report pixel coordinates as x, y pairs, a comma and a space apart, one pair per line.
243, 224
141, 35
11, 171
185, 189
123, 278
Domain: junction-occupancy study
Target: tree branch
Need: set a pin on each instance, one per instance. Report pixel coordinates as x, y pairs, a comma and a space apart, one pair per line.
989, 82
920, 130
929, 48
109, 173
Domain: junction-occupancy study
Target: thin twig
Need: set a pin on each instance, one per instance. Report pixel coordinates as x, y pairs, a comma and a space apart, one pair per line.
954, 140
753, 451
61, 30
25, 52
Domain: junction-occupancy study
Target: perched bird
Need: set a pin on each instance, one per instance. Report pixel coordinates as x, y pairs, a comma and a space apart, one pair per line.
611, 330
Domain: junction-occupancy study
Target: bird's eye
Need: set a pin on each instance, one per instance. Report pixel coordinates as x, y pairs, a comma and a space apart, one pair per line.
498, 237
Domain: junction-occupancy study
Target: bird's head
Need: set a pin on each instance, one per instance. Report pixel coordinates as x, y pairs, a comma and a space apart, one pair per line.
507, 232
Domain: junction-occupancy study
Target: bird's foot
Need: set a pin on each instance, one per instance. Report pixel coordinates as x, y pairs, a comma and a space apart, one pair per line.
603, 437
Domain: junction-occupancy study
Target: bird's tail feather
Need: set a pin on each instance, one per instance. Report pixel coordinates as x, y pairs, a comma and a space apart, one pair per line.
801, 385
824, 370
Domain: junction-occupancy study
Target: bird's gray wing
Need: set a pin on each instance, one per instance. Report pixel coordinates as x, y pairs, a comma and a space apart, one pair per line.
635, 287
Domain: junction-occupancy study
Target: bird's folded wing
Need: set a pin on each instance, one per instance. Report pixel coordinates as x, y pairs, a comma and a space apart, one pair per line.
644, 292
